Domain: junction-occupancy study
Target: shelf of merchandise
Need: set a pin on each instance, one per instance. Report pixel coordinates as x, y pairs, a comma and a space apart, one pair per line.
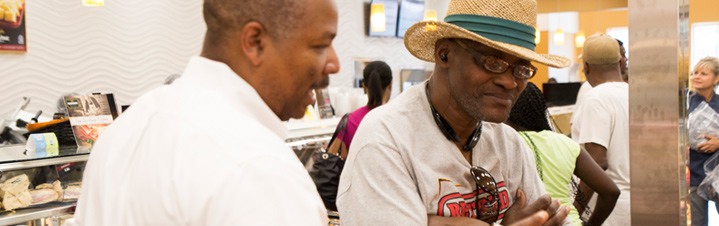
13, 158
33, 213
42, 162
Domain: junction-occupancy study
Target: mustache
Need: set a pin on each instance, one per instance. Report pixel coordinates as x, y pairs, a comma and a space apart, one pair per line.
322, 84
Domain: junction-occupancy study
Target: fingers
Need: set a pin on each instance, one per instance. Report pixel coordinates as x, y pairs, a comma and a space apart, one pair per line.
702, 147
553, 207
434, 220
536, 219
516, 212
520, 200
542, 203
705, 147
558, 218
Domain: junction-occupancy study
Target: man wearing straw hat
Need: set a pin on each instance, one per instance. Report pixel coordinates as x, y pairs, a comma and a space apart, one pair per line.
438, 153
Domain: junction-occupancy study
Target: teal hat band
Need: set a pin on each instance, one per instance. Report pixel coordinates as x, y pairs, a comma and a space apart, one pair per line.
496, 29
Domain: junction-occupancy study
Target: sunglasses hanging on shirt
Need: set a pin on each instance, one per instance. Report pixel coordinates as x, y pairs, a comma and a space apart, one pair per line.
486, 211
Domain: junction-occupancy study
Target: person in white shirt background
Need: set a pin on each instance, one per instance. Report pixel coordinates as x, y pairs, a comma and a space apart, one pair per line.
602, 120
209, 148
623, 67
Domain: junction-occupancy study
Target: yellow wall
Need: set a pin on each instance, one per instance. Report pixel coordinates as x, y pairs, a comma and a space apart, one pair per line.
548, 6
703, 11
590, 23
598, 22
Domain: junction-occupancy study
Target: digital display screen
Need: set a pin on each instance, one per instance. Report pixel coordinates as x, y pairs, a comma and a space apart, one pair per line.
391, 8
410, 12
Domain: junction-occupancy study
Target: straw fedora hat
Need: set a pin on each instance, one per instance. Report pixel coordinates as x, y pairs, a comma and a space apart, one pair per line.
505, 25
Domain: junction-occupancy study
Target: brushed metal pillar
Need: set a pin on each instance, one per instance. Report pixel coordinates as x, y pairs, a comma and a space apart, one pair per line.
658, 71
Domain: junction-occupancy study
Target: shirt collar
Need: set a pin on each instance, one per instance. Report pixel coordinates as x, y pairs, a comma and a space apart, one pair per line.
220, 78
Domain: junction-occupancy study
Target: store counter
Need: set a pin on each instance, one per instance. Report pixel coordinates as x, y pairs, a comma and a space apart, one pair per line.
561, 117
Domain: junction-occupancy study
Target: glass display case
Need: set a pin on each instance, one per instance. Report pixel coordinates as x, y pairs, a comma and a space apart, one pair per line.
39, 175
306, 138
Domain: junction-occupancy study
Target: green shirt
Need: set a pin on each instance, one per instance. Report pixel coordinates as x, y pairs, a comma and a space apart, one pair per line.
556, 156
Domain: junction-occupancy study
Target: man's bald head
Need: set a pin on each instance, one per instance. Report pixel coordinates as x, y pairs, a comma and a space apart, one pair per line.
279, 17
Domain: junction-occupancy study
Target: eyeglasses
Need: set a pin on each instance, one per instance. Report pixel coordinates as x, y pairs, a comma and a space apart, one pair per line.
499, 66
486, 211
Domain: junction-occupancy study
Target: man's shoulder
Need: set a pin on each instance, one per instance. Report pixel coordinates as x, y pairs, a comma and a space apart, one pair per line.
609, 88
404, 109
612, 92
193, 115
500, 133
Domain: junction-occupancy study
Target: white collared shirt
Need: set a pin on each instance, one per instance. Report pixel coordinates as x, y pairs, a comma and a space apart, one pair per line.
205, 150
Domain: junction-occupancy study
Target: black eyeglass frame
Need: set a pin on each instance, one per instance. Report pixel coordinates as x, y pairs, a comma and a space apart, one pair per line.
485, 182
484, 59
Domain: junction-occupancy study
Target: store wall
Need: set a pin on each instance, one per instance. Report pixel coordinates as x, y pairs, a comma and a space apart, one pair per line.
703, 11
599, 21
129, 47
549, 6
352, 43
542, 71
126, 47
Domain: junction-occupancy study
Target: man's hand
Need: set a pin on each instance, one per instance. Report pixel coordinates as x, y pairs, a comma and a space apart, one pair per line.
536, 219
434, 220
520, 210
710, 146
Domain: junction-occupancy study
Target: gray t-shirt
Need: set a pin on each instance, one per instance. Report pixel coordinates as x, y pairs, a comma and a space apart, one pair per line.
401, 168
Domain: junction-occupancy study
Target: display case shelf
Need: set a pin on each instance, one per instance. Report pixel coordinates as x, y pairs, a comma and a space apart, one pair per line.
43, 162
33, 213
13, 158
299, 128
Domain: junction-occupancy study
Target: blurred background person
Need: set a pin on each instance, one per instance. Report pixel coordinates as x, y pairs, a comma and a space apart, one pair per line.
558, 157
623, 69
624, 62
601, 120
377, 83
704, 79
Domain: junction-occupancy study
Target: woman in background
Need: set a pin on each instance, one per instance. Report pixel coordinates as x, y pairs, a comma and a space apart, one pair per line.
377, 83
703, 80
558, 157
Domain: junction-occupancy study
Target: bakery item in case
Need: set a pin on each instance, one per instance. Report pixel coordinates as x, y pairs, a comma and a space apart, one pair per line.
45, 193
72, 191
15, 193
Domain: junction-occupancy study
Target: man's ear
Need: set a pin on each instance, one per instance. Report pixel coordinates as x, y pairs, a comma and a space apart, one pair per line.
441, 51
252, 42
585, 69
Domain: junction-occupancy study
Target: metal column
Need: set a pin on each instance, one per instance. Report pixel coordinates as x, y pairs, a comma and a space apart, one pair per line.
658, 71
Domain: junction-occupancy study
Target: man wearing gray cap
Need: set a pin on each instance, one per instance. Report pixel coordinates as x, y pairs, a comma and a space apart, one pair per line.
602, 119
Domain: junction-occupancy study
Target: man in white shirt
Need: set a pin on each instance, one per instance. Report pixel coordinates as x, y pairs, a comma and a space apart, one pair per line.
209, 149
623, 68
602, 119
